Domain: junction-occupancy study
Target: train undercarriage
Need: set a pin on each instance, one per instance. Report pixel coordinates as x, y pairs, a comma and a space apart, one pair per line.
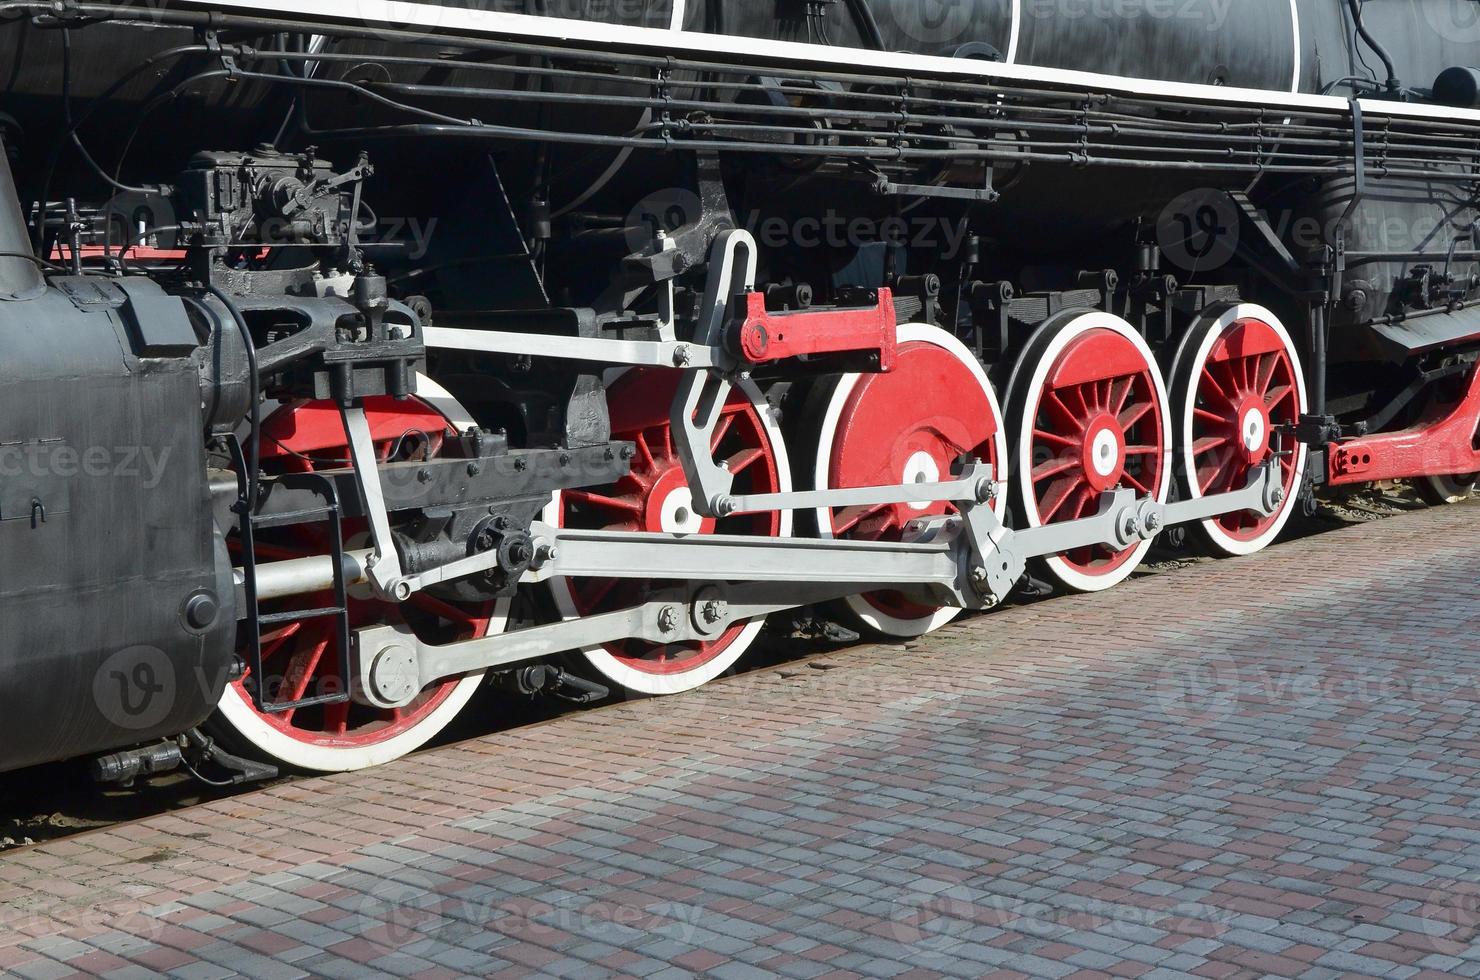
591, 437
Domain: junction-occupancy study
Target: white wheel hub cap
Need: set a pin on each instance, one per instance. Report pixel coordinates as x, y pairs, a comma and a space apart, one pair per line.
1105, 453
921, 468
678, 515
1253, 429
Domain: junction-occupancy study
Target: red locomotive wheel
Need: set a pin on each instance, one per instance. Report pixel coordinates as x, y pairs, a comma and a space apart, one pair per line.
655, 497
1237, 378
300, 658
908, 426
1092, 416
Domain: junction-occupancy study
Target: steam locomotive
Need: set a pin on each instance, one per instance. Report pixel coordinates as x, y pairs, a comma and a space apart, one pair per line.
360, 354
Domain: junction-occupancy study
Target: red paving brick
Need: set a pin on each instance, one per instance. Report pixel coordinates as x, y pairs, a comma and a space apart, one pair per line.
1269, 766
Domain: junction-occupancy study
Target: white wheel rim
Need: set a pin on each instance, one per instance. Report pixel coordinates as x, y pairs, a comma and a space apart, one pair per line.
1027, 398
867, 612
1192, 356
645, 682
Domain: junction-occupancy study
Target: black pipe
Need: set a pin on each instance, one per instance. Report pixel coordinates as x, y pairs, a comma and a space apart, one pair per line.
863, 15
1394, 86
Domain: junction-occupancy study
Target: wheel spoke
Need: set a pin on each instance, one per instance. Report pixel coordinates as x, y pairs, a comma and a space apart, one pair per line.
644, 450
1267, 365
1210, 380
603, 501
273, 641
445, 610
301, 670
1208, 416
1134, 414
744, 460
1135, 481
721, 429
1118, 400
1058, 494
845, 519
336, 718
1208, 443
1054, 437
1067, 417
1052, 468
1277, 395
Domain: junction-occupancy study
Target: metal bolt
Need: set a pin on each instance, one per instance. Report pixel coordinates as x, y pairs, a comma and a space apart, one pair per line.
668, 619
1277, 495
629, 451
1128, 526
723, 506
978, 575
985, 490
1153, 523
681, 356
521, 464
565, 459
424, 474
474, 469
712, 611
544, 554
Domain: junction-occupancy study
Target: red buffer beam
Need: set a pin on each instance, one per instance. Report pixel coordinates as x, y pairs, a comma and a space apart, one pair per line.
1445, 443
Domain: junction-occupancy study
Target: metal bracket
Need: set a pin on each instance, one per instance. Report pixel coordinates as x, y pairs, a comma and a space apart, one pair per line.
384, 565
638, 353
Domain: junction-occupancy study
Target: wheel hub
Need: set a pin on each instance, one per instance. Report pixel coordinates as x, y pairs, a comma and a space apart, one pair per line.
670, 506
1254, 429
921, 468
1103, 453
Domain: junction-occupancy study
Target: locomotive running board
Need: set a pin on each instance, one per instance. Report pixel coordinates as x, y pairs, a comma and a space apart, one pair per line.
447, 21
972, 561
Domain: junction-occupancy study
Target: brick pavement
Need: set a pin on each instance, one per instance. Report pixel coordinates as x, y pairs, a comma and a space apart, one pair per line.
1185, 776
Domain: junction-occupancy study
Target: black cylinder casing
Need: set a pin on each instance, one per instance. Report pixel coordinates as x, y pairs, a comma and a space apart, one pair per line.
105, 525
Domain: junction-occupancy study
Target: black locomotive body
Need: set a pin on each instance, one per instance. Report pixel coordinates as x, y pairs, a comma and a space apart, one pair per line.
358, 356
